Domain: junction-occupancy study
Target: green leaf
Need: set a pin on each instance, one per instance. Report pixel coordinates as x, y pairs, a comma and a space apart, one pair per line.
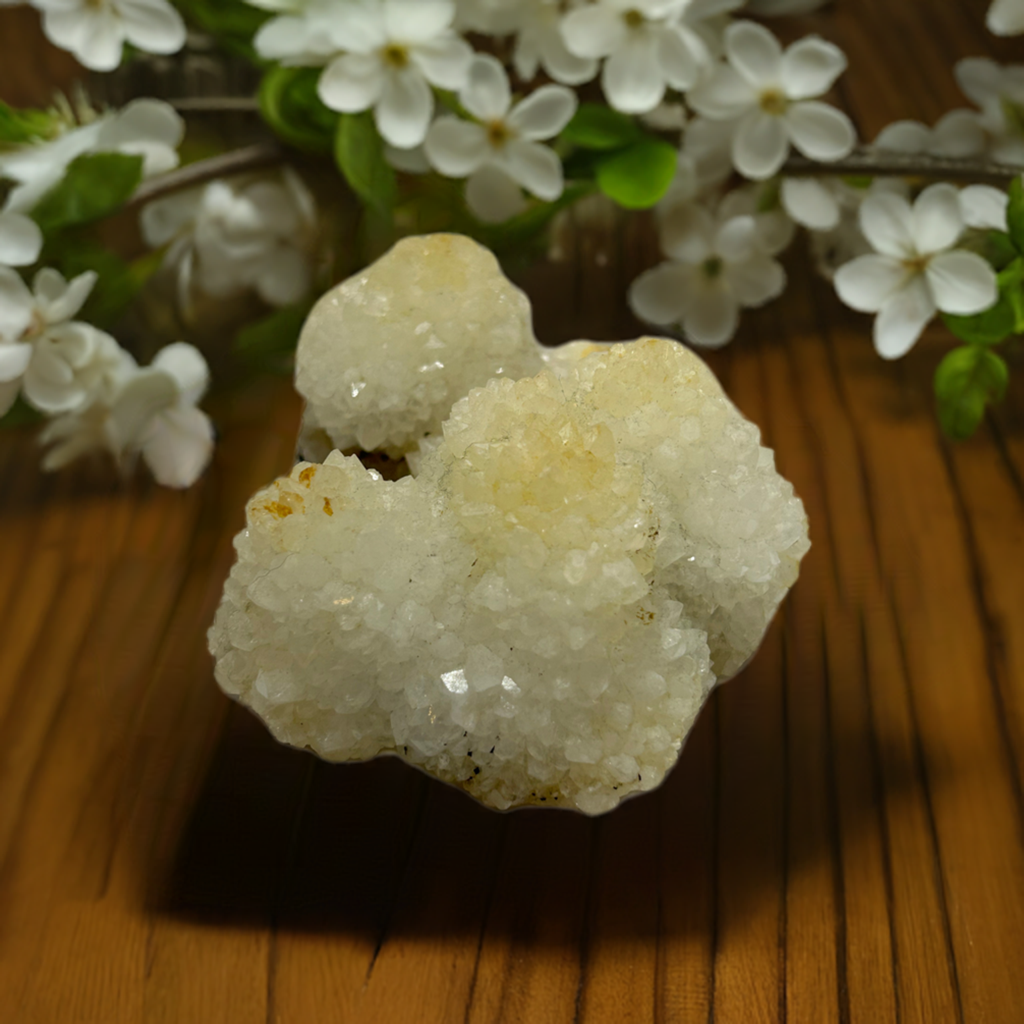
290, 104
594, 126
988, 328
18, 126
268, 344
967, 380
94, 186
359, 154
639, 175
20, 414
232, 22
998, 249
1015, 213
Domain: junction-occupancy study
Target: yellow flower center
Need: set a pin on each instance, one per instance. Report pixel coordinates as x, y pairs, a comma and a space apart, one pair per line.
775, 102
395, 55
712, 267
498, 134
633, 18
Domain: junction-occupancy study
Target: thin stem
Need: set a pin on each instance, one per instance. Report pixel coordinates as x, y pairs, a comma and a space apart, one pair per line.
251, 158
867, 161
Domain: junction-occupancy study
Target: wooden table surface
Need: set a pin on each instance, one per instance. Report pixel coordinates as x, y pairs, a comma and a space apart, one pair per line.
840, 842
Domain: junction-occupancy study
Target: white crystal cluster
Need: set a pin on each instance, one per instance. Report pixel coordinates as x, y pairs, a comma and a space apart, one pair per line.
538, 614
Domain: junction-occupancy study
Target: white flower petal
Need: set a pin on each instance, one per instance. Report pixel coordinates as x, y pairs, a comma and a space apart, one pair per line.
544, 113
152, 25
888, 224
16, 305
902, 319
351, 83
492, 196
456, 148
960, 133
411, 161
1006, 18
724, 96
736, 239
64, 303
755, 281
417, 21
904, 137
711, 316
593, 31
444, 61
187, 368
938, 222
179, 447
486, 94
688, 233
536, 167
95, 37
819, 131
811, 202
681, 56
631, 79
755, 53
21, 241
285, 278
281, 38
760, 146
561, 64
867, 283
984, 207
143, 396
657, 296
980, 79
962, 282
810, 67
143, 120
14, 360
403, 113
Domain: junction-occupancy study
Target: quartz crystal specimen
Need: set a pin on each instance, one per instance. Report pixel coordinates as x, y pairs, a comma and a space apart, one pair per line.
537, 614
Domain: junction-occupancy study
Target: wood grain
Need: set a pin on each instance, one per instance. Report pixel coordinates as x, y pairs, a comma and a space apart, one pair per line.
841, 842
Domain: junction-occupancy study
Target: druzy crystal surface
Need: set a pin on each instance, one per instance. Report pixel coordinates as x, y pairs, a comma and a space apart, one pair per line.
538, 612
591, 538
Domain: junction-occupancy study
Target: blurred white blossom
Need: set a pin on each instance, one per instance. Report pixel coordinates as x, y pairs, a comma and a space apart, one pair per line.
21, 241
394, 50
95, 31
768, 95
915, 269
225, 238
150, 412
716, 267
541, 44
146, 127
58, 363
984, 207
507, 137
1006, 17
998, 92
645, 45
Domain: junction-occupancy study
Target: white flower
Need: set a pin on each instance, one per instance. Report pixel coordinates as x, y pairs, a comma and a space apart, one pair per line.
21, 241
226, 238
999, 93
540, 44
58, 363
763, 202
915, 269
394, 50
506, 137
984, 207
303, 35
96, 30
147, 128
708, 144
769, 94
960, 133
716, 268
150, 412
1006, 17
647, 48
